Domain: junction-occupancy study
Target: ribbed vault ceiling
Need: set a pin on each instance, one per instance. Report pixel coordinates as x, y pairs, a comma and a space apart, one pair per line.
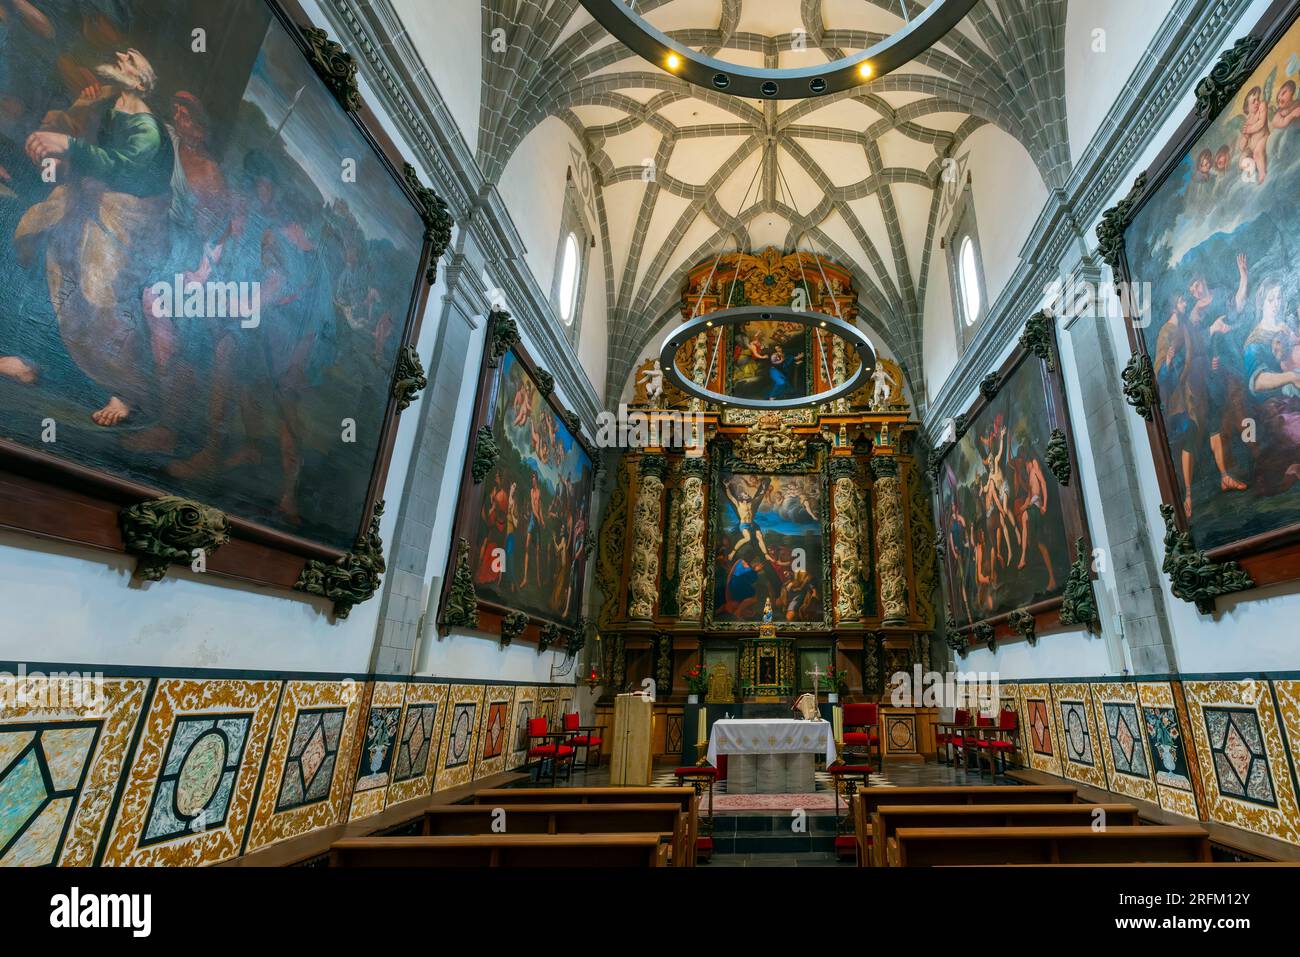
857, 176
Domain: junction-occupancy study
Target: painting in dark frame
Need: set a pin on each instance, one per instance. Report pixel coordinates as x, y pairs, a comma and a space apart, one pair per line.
1007, 526
136, 150
776, 551
526, 521
1211, 231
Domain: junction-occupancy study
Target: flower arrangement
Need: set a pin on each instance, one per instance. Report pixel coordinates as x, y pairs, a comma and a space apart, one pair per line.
837, 679
697, 680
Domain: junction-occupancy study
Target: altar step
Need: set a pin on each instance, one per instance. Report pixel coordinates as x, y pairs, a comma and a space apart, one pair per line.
753, 832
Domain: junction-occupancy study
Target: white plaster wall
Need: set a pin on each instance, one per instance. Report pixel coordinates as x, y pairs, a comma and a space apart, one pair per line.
1008, 194
448, 34
533, 187
1104, 40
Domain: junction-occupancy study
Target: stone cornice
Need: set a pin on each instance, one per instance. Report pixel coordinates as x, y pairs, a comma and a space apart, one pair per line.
1181, 53
398, 82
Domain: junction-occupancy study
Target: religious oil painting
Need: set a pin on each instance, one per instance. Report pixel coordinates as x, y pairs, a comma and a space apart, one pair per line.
528, 525
1218, 241
1006, 522
768, 549
208, 267
769, 360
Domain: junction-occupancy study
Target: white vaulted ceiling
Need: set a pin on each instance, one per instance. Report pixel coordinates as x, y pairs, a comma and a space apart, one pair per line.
856, 176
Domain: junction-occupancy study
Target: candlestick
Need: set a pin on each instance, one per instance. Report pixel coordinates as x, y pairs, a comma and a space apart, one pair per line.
702, 738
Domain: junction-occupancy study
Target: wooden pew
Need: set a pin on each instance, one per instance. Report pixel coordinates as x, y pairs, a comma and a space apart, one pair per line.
888, 818
682, 797
503, 850
929, 847
868, 799
648, 817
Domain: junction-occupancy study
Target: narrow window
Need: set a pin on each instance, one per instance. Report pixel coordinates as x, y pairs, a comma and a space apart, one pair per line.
970, 284
569, 275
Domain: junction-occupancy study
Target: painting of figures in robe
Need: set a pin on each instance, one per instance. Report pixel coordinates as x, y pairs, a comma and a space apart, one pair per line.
767, 549
1002, 514
769, 360
1219, 242
529, 516
207, 267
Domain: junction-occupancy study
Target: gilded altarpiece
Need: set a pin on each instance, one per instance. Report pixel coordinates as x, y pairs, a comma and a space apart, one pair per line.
816, 520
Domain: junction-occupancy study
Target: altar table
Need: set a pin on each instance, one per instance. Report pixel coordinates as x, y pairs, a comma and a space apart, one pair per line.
770, 756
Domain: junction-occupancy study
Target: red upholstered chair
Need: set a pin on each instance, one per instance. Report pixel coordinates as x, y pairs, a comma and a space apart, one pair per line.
997, 743
864, 720
951, 738
556, 753
584, 738
969, 746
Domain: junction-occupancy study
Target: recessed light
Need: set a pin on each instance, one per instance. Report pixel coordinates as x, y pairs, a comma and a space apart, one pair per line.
769, 88
818, 85
865, 71
721, 81
673, 61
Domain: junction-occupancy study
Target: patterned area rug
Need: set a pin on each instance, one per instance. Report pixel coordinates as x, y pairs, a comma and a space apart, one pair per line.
821, 801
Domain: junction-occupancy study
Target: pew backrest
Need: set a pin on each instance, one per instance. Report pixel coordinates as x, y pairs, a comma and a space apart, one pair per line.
503, 850
888, 818
928, 847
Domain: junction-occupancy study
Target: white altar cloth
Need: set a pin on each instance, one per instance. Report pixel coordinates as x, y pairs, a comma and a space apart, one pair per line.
770, 736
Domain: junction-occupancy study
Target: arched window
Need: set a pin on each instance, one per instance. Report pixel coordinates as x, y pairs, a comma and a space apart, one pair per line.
968, 273
569, 276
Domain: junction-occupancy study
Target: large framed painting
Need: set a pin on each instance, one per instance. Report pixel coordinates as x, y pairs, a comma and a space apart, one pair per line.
213, 270
522, 534
767, 539
1011, 523
1209, 239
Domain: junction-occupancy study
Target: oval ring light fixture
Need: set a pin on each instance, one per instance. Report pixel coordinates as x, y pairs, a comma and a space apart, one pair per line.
742, 314
790, 84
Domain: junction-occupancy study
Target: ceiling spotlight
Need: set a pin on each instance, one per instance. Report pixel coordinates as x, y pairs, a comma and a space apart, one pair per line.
865, 71
674, 61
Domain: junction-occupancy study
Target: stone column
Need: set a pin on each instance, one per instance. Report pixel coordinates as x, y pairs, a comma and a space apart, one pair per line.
846, 566
690, 561
647, 534
1134, 556
891, 548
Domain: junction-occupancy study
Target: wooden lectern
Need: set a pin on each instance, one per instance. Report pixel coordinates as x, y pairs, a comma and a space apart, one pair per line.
632, 756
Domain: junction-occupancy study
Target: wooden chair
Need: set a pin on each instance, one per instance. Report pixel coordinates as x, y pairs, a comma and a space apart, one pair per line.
556, 753
701, 778
943, 740
584, 737
847, 779
865, 718
969, 747
995, 743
